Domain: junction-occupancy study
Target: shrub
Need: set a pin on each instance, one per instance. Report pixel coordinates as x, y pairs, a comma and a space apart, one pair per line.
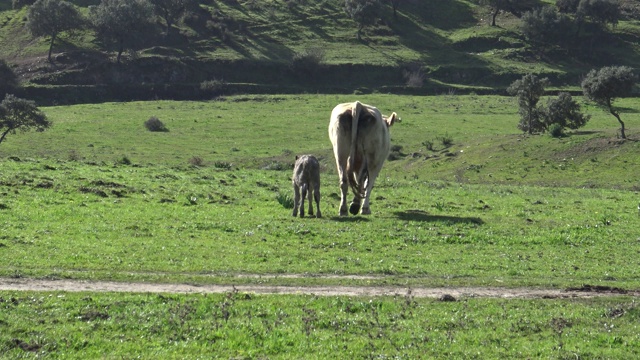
285, 200
563, 111
277, 166
124, 161
556, 130
428, 144
213, 87
222, 165
308, 61
413, 76
196, 161
154, 124
395, 152
446, 140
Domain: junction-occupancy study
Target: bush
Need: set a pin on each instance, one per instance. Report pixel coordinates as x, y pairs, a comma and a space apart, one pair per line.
413, 76
563, 111
196, 161
308, 61
154, 124
222, 165
446, 140
556, 130
213, 87
124, 160
285, 200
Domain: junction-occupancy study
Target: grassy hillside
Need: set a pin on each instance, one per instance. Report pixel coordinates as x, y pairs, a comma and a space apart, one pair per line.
249, 46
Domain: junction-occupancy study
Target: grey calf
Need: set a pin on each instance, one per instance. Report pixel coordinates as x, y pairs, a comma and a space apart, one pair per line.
306, 177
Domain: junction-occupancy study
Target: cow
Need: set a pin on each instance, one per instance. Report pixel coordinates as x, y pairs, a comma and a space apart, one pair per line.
306, 178
360, 137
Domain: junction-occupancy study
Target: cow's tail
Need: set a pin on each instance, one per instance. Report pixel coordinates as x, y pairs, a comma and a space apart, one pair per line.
355, 117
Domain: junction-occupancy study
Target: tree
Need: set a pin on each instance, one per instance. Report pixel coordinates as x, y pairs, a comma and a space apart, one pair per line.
528, 90
567, 6
170, 10
563, 111
120, 21
394, 6
544, 25
20, 114
362, 12
605, 85
51, 17
496, 6
601, 12
515, 7
8, 79
18, 4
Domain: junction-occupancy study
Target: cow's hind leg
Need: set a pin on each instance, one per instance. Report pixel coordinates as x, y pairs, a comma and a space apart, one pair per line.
344, 192
373, 174
354, 207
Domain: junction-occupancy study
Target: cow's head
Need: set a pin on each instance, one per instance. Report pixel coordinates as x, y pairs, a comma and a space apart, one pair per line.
390, 120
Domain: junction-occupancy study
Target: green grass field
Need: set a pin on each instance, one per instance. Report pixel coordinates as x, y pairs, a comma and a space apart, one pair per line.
246, 326
98, 196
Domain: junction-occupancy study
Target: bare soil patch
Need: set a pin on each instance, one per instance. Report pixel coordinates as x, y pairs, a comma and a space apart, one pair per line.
442, 293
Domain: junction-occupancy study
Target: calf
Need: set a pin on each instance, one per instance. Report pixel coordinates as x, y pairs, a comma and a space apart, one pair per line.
306, 178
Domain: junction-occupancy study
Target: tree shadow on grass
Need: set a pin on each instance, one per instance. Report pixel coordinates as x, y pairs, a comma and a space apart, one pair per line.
419, 215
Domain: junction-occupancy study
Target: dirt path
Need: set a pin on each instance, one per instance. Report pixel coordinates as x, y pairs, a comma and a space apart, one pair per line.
444, 293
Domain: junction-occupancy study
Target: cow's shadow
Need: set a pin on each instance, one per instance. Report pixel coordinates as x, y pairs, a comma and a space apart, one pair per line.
350, 219
419, 215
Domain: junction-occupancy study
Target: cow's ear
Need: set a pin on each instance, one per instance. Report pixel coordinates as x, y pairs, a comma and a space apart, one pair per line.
296, 157
392, 119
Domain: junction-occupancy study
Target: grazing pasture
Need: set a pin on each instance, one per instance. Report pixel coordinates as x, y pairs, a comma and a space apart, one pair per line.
246, 326
465, 199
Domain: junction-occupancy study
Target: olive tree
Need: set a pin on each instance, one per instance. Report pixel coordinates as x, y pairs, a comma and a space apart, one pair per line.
362, 12
563, 112
528, 90
170, 10
601, 12
120, 21
603, 86
51, 17
545, 25
20, 114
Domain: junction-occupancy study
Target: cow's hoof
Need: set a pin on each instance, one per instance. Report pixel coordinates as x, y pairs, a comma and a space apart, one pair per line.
354, 208
365, 211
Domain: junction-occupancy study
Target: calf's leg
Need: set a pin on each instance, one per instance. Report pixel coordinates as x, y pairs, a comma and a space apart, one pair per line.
296, 199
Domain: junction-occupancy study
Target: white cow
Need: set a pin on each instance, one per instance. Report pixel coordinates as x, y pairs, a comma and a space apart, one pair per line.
360, 137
